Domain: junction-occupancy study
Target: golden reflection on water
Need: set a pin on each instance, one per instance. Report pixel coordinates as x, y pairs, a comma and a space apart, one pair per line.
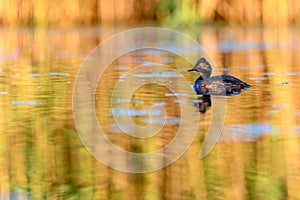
42, 156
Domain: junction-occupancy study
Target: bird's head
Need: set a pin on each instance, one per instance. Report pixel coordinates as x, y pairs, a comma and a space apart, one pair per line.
203, 67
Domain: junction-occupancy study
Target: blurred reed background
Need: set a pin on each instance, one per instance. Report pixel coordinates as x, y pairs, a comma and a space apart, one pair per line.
172, 12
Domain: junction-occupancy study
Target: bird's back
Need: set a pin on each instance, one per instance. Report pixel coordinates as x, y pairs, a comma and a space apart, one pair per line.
219, 85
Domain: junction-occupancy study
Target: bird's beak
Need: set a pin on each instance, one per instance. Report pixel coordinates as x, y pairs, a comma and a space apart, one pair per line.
190, 70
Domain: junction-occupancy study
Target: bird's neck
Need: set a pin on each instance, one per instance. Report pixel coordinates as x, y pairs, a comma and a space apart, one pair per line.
199, 80
206, 75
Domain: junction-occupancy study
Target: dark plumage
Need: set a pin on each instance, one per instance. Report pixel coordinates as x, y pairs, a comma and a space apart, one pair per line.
215, 85
203, 103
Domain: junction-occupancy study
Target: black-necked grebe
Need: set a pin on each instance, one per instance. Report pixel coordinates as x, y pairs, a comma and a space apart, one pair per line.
215, 85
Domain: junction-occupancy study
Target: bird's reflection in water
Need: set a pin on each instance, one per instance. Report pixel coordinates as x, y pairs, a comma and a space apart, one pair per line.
203, 103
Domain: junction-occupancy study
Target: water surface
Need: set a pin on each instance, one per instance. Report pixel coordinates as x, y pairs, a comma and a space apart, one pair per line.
42, 156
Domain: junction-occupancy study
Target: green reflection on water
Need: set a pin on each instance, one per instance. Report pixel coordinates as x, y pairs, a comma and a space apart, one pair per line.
42, 156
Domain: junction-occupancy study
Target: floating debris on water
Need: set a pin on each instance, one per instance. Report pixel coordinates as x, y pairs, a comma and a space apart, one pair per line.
285, 82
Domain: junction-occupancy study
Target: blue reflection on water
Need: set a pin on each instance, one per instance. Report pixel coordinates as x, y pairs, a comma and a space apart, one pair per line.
247, 132
134, 112
30, 102
158, 74
122, 67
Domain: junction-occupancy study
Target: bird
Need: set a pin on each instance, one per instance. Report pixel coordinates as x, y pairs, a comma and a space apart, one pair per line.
215, 85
